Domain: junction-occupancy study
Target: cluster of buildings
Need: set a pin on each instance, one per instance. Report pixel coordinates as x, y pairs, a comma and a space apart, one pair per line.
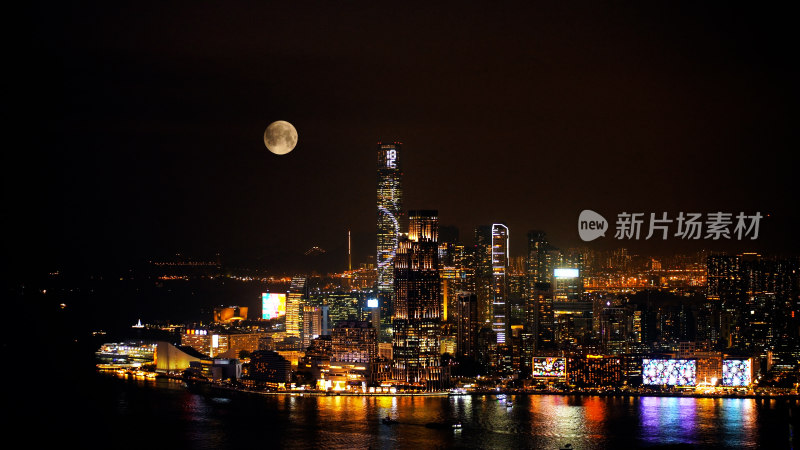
437, 310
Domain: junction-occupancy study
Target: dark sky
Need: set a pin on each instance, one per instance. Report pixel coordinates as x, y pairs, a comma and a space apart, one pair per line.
144, 122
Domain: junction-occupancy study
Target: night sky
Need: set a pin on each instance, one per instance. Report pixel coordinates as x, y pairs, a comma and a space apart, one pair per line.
143, 123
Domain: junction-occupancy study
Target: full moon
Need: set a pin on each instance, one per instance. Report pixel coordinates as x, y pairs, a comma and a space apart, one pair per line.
280, 137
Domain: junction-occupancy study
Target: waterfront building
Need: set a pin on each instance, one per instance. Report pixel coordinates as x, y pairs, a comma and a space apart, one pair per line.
594, 371
269, 368
354, 342
354, 352
227, 343
169, 358
418, 309
218, 369
389, 223
549, 369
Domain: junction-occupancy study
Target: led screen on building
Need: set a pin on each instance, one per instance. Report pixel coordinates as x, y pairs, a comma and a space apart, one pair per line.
566, 273
737, 372
372, 303
549, 367
272, 305
671, 372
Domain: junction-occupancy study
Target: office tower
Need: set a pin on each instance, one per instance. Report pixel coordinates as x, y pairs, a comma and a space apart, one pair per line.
467, 324
539, 261
340, 305
572, 316
567, 284
418, 309
423, 226
313, 324
464, 262
481, 259
389, 218
724, 278
540, 316
499, 258
294, 302
450, 279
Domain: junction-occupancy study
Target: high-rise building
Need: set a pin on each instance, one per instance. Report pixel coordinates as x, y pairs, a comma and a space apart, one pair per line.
418, 308
354, 342
467, 324
500, 322
339, 305
540, 316
389, 219
539, 261
294, 304
481, 260
313, 324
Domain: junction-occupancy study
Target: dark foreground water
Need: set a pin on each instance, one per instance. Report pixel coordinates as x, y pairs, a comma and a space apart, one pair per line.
126, 413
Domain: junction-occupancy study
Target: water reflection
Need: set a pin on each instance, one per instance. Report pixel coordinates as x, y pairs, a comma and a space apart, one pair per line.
188, 420
669, 420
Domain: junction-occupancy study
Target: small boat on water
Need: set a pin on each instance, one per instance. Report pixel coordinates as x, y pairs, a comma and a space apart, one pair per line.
388, 420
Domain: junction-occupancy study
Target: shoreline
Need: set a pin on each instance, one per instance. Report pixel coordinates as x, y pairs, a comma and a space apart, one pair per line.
787, 397
210, 386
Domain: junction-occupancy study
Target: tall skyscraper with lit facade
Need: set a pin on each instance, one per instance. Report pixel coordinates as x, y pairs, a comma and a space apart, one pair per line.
418, 308
389, 219
294, 306
500, 324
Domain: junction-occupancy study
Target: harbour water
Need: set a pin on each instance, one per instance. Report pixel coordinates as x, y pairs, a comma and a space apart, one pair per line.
130, 413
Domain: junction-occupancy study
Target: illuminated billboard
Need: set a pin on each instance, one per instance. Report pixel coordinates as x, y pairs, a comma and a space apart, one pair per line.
272, 305
670, 372
566, 273
737, 372
372, 303
549, 367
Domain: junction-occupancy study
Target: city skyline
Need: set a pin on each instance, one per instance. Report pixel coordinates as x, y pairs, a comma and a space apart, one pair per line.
365, 224
153, 145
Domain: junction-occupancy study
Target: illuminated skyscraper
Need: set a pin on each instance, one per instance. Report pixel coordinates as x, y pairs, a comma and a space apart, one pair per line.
389, 219
500, 323
294, 302
313, 324
418, 307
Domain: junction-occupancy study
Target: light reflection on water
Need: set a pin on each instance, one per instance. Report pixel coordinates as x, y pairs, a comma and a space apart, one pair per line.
536, 421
